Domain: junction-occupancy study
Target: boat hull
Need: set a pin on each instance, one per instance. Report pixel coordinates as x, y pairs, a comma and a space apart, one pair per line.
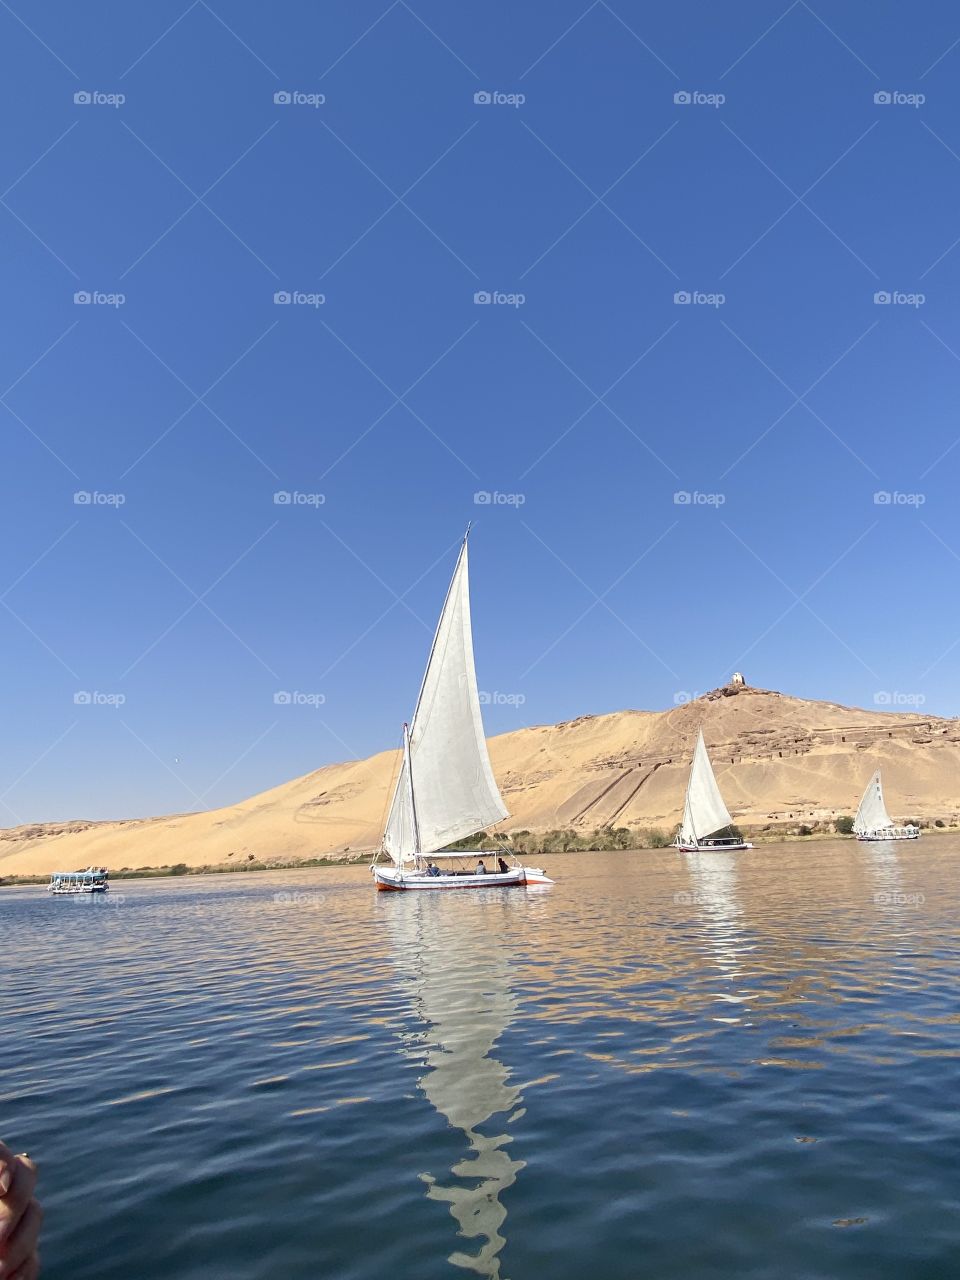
715, 848
389, 880
95, 888
901, 833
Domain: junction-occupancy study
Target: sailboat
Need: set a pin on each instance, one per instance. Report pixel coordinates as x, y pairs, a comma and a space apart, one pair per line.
703, 809
873, 822
446, 789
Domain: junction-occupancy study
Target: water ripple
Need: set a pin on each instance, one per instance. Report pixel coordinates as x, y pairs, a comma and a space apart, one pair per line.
724, 1065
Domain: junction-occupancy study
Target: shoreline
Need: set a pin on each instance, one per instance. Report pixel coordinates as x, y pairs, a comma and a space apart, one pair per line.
182, 871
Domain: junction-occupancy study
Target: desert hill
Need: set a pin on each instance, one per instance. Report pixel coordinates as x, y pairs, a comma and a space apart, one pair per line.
779, 761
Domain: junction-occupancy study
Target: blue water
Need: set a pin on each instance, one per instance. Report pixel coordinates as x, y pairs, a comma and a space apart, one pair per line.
741, 1065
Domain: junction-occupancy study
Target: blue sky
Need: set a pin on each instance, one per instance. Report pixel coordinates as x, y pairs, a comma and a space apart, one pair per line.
782, 197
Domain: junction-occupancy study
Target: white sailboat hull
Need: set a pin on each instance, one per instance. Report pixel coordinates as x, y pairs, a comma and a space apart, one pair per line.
713, 846
890, 833
393, 879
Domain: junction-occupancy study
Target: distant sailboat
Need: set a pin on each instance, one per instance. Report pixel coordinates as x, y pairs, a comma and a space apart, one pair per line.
446, 788
873, 822
703, 809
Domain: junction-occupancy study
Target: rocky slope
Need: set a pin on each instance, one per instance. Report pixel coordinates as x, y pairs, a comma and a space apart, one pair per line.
779, 761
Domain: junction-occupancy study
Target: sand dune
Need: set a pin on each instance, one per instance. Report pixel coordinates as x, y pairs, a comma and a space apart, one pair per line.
779, 761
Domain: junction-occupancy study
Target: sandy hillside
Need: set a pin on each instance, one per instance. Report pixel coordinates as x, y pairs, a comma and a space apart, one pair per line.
778, 760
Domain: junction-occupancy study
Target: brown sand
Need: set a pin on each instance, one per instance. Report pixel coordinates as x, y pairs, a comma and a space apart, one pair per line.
779, 760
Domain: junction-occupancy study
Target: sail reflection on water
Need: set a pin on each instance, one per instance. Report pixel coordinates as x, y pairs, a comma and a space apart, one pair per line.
457, 971
721, 925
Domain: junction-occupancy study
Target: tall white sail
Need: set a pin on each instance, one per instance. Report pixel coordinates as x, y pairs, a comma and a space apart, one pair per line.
703, 809
400, 838
453, 793
872, 814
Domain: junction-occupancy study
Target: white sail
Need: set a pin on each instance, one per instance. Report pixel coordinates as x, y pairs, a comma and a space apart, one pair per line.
703, 809
453, 793
400, 838
872, 814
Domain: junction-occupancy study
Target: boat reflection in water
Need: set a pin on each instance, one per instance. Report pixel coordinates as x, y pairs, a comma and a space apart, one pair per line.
895, 898
714, 877
453, 960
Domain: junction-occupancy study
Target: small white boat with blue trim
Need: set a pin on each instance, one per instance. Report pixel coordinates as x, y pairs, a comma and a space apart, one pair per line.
445, 789
93, 880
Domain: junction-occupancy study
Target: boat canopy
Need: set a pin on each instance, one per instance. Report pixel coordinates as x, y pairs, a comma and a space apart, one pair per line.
446, 789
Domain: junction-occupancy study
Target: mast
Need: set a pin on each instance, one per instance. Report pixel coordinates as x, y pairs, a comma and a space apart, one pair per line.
413, 798
693, 765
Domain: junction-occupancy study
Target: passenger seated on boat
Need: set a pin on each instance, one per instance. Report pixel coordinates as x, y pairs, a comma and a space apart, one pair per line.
481, 869
501, 865
433, 869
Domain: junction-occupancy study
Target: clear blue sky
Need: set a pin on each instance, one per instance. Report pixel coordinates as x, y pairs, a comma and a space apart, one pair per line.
597, 399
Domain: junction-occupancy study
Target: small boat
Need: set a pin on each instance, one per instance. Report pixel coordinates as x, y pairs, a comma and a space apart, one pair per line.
704, 812
93, 880
873, 822
446, 790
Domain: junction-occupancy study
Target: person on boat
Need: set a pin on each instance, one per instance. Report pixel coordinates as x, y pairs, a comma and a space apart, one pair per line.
502, 866
20, 1216
481, 869
432, 869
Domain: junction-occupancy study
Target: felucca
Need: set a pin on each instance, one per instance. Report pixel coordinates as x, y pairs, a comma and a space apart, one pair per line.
873, 822
446, 788
703, 809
